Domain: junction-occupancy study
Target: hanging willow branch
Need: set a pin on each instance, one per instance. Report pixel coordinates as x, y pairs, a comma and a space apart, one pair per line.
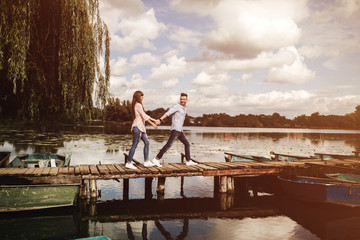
50, 58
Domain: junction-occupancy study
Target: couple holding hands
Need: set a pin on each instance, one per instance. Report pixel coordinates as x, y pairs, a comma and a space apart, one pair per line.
178, 113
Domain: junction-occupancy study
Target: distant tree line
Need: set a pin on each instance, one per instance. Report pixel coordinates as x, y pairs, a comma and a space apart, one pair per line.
116, 110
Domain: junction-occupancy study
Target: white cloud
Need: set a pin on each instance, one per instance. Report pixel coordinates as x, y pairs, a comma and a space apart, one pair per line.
130, 25
246, 28
170, 83
174, 67
262, 61
297, 72
245, 77
119, 67
205, 79
143, 59
181, 34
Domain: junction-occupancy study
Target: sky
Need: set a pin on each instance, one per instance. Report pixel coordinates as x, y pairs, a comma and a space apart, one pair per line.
292, 57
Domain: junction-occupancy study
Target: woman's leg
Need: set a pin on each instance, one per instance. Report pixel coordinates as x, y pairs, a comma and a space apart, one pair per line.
145, 139
136, 137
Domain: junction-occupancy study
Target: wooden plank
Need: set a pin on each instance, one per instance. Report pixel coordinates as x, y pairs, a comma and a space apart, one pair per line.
54, 171
204, 167
246, 171
18, 171
169, 168
180, 168
71, 170
154, 170
103, 170
142, 168
84, 169
77, 170
64, 170
217, 165
120, 168
185, 168
38, 171
112, 169
94, 170
2, 170
29, 171
46, 171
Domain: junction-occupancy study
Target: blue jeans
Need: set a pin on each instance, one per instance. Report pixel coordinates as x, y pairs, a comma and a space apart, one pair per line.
174, 135
137, 134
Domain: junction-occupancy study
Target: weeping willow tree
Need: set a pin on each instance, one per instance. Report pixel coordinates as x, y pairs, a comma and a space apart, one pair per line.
50, 59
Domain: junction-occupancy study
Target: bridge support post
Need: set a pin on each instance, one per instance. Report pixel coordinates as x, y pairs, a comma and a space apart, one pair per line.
223, 184
83, 190
126, 189
148, 188
161, 187
230, 184
93, 188
216, 186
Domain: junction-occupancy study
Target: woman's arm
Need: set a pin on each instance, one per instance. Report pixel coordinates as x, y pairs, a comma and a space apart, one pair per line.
152, 124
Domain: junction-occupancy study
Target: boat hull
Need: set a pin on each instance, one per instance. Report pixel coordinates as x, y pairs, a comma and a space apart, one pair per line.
32, 197
322, 191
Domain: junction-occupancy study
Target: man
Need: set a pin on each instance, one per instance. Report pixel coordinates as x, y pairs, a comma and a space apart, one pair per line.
178, 112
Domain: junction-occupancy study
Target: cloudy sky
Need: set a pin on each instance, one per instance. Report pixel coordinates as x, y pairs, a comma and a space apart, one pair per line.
237, 56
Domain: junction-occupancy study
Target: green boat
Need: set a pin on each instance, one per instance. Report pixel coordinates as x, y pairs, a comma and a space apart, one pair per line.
354, 178
18, 196
40, 160
231, 157
32, 197
94, 238
288, 157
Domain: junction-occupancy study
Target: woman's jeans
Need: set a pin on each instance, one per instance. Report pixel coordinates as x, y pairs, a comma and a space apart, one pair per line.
137, 134
174, 135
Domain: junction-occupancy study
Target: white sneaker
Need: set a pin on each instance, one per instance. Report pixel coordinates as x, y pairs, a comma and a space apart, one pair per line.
156, 162
190, 163
148, 164
130, 165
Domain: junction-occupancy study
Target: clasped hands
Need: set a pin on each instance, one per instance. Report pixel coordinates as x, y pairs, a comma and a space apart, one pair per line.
157, 122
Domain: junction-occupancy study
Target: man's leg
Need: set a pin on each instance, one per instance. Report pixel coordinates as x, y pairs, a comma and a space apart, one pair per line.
172, 138
186, 143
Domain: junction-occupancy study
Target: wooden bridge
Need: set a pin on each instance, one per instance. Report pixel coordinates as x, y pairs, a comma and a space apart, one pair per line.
224, 172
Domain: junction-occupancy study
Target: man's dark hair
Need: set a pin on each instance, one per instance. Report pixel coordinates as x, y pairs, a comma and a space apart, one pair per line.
183, 94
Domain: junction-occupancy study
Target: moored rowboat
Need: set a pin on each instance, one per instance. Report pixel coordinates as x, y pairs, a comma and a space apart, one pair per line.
322, 190
31, 197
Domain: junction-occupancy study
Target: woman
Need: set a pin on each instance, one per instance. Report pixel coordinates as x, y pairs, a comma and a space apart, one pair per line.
139, 131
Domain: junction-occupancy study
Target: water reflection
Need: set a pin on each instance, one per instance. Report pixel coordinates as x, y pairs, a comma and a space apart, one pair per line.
191, 209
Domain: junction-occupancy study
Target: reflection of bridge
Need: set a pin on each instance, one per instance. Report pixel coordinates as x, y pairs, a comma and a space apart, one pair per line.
199, 208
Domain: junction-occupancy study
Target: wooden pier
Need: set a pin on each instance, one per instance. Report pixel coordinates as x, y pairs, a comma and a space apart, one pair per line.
223, 172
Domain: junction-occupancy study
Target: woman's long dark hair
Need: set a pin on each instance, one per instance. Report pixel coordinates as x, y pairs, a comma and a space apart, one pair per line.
137, 98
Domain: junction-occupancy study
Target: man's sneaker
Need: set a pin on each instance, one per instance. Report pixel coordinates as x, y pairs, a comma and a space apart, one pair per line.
190, 163
130, 165
148, 164
156, 162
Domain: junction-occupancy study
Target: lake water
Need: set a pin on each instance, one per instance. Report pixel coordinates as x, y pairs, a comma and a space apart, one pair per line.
189, 209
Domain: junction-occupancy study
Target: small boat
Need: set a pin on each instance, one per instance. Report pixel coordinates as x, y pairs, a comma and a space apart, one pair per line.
330, 156
245, 158
288, 157
18, 196
32, 197
4, 158
40, 160
346, 177
322, 190
94, 238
